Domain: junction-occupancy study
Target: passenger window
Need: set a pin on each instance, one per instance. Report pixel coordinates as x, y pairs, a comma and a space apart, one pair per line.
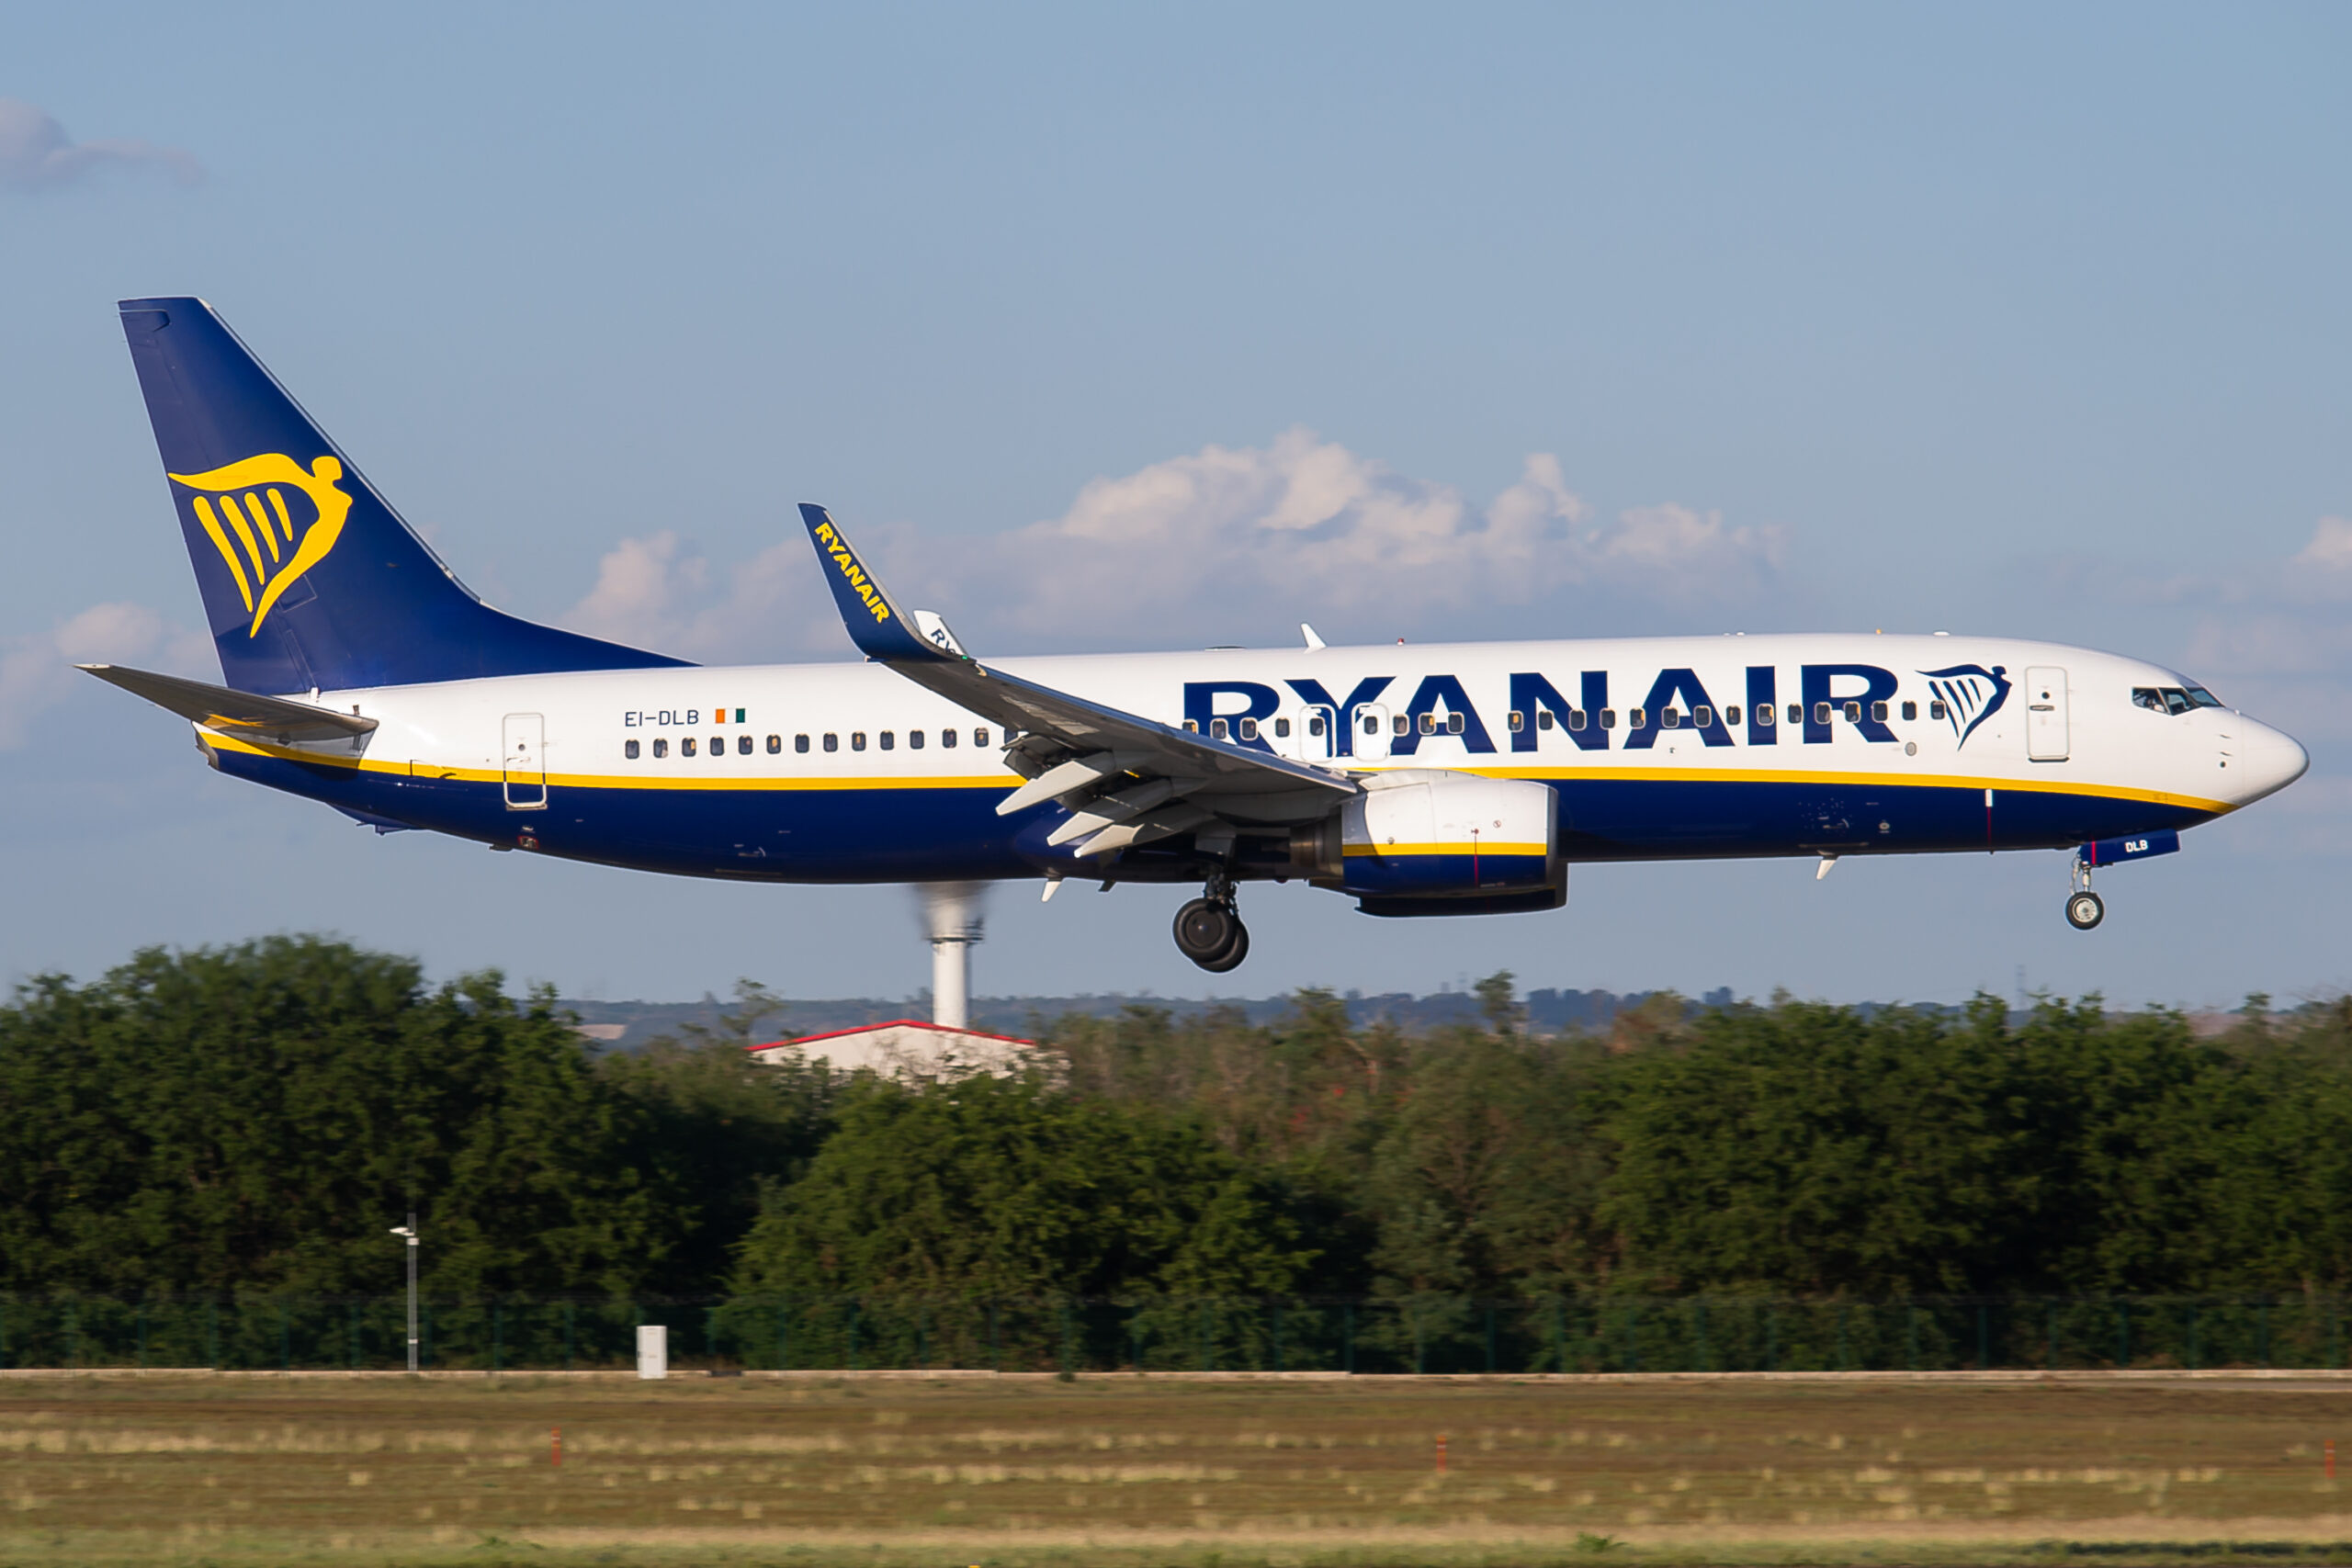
1910, 711
1218, 730
1248, 730
889, 740
775, 745
1575, 719
832, 741
1796, 712
1936, 708
858, 740
1763, 715
1544, 719
1704, 715
947, 738
628, 750
1456, 723
1282, 730
686, 747
1315, 726
660, 748
1401, 724
1191, 727
1608, 719
979, 737
800, 744
1820, 713
1636, 718
1878, 713
1853, 713
1429, 724
1670, 718
1370, 724
742, 745
1516, 720
914, 739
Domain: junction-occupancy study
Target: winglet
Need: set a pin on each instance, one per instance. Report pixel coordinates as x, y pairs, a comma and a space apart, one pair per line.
873, 619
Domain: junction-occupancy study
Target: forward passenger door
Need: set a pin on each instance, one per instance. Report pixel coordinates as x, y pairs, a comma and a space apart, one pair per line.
2045, 715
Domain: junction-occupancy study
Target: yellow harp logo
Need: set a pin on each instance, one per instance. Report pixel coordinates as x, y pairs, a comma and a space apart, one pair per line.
255, 531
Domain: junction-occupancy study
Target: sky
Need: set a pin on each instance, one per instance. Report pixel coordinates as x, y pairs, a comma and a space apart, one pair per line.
2012, 320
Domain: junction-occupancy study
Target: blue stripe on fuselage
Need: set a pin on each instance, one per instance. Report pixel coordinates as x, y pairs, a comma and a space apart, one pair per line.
880, 833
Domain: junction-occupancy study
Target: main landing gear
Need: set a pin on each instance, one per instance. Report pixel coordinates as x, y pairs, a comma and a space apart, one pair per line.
2085, 908
1209, 930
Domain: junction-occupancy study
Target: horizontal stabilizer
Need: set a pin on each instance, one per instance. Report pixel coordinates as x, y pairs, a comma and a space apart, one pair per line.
235, 713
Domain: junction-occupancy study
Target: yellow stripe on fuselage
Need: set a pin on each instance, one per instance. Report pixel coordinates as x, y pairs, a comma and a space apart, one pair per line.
1855, 781
425, 770
1599, 774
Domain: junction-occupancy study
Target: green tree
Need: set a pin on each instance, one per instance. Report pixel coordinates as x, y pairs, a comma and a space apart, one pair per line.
254, 1117
1007, 1187
727, 1128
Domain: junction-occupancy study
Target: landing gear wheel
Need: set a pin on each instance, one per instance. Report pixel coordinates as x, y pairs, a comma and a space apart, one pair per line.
1233, 955
2084, 909
1206, 930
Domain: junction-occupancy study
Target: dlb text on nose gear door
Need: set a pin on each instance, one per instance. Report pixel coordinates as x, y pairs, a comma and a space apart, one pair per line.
2045, 715
526, 765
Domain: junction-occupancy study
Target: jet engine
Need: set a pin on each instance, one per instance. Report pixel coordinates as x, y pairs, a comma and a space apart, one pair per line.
1440, 841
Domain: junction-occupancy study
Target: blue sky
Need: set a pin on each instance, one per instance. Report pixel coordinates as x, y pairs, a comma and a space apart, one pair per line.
1997, 319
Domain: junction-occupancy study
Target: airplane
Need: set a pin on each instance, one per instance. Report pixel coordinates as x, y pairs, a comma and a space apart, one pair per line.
1428, 781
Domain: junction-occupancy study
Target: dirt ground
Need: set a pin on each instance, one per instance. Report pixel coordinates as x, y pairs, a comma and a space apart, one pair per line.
1125, 1469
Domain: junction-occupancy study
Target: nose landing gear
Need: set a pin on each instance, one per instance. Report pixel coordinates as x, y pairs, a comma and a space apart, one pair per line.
1209, 930
2085, 908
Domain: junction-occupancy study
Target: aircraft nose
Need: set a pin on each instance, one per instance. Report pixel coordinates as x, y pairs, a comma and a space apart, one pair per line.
2269, 760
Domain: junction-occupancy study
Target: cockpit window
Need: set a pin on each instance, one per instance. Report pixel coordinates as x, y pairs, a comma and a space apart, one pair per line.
2174, 700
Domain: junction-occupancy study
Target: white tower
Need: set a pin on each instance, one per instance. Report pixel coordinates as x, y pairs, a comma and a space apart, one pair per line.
951, 912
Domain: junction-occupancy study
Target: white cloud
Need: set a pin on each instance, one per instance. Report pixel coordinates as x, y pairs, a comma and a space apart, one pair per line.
1305, 526
36, 152
650, 593
1226, 544
2331, 546
36, 671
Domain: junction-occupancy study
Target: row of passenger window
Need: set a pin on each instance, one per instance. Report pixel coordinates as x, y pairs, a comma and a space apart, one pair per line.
1698, 718
887, 739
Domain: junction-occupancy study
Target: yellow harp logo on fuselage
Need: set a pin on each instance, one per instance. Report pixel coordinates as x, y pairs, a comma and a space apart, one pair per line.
257, 535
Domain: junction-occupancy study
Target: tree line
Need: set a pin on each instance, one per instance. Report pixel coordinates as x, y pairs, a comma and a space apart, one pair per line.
250, 1120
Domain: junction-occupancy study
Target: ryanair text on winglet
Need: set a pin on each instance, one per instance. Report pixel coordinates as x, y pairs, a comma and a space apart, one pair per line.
851, 569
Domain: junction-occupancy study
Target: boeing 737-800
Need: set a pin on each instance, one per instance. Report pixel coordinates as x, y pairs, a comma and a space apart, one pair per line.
1447, 779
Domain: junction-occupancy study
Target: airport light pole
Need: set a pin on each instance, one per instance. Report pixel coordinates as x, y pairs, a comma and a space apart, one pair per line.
409, 1230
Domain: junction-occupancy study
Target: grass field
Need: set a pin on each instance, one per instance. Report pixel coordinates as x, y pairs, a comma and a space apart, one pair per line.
1120, 1470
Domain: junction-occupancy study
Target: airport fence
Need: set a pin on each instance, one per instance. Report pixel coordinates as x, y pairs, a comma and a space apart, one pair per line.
1425, 1333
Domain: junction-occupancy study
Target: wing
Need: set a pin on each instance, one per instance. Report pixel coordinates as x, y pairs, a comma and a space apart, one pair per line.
1125, 779
235, 713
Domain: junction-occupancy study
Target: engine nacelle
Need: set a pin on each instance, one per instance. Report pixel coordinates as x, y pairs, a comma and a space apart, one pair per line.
1425, 833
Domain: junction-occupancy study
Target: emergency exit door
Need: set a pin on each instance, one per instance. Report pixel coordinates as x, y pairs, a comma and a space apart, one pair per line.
525, 767
2045, 715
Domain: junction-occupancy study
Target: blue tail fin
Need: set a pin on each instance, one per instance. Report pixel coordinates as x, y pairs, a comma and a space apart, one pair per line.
309, 578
